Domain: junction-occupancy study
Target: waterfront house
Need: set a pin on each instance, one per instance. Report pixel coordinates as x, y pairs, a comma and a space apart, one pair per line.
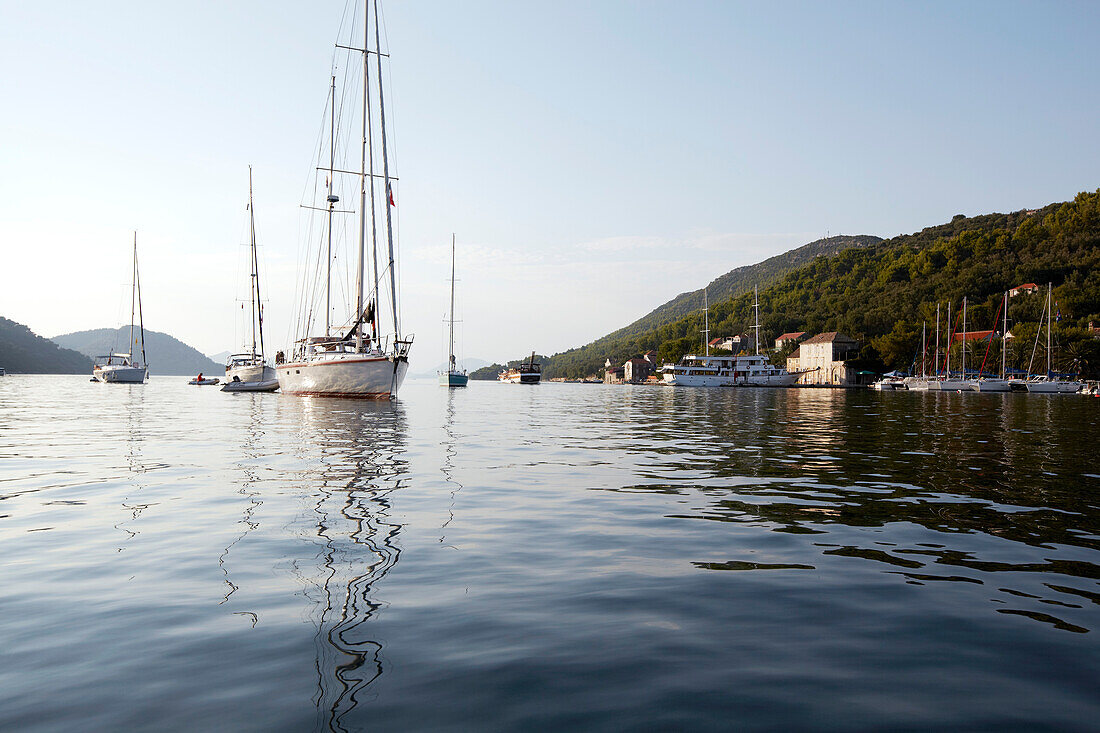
825, 355
1025, 289
793, 360
737, 344
637, 370
787, 339
612, 375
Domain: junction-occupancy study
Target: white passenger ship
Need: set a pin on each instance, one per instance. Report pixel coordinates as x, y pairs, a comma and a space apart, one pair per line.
727, 371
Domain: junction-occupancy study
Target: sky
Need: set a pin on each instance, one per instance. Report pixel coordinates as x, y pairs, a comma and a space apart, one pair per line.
592, 159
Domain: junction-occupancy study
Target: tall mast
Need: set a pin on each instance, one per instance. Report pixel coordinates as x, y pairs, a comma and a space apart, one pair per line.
255, 294
386, 173
1050, 325
451, 347
363, 190
332, 199
133, 302
923, 349
706, 324
964, 339
950, 334
141, 320
370, 162
936, 356
756, 305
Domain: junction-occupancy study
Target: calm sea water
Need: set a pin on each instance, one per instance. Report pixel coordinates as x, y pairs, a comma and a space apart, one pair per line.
560, 557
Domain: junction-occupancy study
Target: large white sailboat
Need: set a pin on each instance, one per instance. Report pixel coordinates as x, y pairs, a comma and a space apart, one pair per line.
352, 358
248, 371
125, 367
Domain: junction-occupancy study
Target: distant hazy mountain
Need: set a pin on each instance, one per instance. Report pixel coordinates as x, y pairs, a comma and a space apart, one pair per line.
165, 354
219, 357
469, 365
24, 352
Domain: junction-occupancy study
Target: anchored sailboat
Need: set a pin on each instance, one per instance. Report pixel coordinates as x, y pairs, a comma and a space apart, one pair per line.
452, 377
248, 371
123, 367
1050, 383
355, 359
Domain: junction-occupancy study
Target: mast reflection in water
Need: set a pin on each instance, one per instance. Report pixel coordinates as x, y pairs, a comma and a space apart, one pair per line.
355, 449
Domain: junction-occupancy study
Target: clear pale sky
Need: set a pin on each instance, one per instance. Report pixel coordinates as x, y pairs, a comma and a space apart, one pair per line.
593, 158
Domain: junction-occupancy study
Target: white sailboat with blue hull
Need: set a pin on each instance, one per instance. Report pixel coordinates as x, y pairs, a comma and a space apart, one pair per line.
452, 377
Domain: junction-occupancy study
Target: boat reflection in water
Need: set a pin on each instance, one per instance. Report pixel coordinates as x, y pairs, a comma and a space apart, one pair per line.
354, 449
927, 496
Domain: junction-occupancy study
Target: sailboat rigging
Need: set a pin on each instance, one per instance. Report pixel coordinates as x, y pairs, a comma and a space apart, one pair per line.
354, 360
248, 371
123, 367
452, 377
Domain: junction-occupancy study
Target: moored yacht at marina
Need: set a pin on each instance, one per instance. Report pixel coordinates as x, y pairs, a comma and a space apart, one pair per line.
727, 371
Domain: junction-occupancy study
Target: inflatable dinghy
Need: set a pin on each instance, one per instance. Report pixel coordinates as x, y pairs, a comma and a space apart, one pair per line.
204, 381
269, 385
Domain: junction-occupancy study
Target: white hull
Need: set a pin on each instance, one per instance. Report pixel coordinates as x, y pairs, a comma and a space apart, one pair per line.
269, 385
989, 385
344, 375
727, 371
1054, 386
521, 378
710, 380
115, 374
948, 385
889, 385
250, 373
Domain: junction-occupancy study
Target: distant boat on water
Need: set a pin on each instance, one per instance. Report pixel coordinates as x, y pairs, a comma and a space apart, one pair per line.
122, 367
452, 377
248, 371
528, 372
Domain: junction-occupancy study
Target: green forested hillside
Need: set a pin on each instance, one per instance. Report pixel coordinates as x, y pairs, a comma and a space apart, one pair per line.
625, 342
742, 280
880, 294
24, 352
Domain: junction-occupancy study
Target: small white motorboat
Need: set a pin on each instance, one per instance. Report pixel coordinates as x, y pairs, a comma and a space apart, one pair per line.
266, 385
